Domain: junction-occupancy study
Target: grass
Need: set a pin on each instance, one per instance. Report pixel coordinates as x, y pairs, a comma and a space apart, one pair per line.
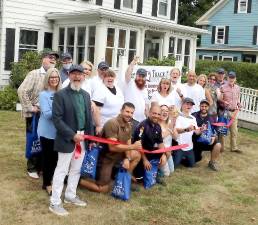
192, 196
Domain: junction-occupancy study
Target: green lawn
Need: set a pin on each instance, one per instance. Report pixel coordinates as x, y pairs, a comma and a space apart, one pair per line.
192, 196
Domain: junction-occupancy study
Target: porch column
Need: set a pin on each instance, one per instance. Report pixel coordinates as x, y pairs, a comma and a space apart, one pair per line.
140, 44
193, 53
165, 44
100, 42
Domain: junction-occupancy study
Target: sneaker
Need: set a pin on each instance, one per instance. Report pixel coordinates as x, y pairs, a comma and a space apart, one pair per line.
161, 181
237, 151
213, 165
33, 175
58, 210
75, 201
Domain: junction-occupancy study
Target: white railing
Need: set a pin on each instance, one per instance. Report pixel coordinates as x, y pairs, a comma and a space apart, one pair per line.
249, 102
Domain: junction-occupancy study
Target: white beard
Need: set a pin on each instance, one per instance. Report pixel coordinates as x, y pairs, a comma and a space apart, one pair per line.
75, 87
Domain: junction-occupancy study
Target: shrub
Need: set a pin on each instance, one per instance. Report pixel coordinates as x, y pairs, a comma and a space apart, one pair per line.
8, 98
166, 61
247, 73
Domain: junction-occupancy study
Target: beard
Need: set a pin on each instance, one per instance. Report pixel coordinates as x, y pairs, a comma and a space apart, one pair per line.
140, 84
75, 87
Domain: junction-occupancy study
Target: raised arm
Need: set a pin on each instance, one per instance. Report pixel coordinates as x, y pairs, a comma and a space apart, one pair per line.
129, 70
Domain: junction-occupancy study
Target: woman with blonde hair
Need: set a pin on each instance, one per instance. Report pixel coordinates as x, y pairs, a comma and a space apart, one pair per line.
203, 81
46, 129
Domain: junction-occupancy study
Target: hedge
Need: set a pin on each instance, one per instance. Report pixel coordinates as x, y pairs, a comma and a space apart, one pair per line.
247, 73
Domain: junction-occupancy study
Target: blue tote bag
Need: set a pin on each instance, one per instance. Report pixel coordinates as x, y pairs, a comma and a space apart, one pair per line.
89, 164
122, 185
149, 178
32, 140
205, 137
223, 118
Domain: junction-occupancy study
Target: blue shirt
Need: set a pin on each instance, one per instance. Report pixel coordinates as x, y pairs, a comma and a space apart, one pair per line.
46, 127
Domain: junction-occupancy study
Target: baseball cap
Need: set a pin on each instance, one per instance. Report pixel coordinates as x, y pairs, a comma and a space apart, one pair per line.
188, 100
66, 55
221, 71
142, 72
232, 74
103, 65
47, 53
76, 68
204, 101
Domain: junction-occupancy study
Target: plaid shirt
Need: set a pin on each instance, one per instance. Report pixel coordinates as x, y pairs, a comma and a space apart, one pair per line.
28, 91
231, 94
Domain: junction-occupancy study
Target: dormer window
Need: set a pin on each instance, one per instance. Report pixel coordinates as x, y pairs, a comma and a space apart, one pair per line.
220, 35
163, 7
242, 6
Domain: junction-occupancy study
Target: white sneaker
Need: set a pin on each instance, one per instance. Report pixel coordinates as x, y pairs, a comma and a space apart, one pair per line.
58, 210
33, 175
75, 201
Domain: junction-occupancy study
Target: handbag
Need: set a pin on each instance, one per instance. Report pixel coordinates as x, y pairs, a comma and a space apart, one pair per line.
149, 177
33, 146
122, 185
223, 118
205, 137
89, 164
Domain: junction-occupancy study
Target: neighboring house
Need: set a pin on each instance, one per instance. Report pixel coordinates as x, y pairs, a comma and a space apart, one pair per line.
95, 30
233, 31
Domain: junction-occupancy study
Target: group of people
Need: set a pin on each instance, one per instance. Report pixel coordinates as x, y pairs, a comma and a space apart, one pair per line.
72, 102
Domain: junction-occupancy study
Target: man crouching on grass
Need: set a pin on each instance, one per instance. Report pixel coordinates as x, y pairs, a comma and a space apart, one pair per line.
118, 129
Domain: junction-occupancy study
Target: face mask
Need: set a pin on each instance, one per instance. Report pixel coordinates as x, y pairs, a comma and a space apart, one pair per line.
67, 66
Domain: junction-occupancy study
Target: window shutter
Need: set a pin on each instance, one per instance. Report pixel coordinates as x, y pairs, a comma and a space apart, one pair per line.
173, 10
139, 7
200, 57
215, 58
9, 48
236, 6
99, 2
213, 34
255, 35
154, 8
117, 4
235, 58
226, 34
249, 6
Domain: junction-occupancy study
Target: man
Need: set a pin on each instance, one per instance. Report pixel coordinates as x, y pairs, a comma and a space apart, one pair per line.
135, 91
214, 147
220, 78
230, 100
194, 90
186, 126
72, 119
28, 93
118, 129
150, 134
66, 60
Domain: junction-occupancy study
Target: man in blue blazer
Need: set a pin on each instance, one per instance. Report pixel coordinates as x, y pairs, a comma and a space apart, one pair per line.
72, 119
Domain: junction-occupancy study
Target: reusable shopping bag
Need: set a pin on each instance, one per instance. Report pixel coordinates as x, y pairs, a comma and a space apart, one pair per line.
149, 178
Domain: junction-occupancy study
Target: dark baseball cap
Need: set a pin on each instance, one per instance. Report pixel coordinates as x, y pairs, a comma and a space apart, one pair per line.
66, 55
47, 53
142, 72
188, 100
232, 74
103, 65
204, 101
221, 71
76, 68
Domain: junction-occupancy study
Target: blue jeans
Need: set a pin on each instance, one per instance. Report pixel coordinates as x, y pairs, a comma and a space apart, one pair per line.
187, 155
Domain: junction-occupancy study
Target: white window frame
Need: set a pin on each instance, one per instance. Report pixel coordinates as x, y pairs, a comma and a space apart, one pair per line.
168, 9
129, 9
239, 6
207, 57
227, 57
216, 35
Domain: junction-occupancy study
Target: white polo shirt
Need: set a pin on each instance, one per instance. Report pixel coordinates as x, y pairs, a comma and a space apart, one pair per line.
157, 97
138, 97
184, 122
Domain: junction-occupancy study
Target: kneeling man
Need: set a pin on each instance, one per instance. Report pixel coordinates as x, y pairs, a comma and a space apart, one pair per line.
118, 129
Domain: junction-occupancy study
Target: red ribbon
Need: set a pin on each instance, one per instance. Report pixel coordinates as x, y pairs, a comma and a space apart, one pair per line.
220, 124
77, 150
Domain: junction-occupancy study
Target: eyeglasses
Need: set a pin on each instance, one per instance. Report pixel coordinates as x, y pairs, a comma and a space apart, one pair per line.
54, 77
212, 79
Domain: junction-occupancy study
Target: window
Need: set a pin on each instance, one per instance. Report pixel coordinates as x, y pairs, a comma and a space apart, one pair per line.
70, 40
163, 7
187, 53
227, 58
28, 41
91, 43
128, 4
179, 49
242, 6
81, 44
61, 40
171, 48
48, 40
110, 46
220, 35
132, 46
207, 57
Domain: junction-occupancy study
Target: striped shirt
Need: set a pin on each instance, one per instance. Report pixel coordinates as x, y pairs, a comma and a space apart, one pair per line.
231, 94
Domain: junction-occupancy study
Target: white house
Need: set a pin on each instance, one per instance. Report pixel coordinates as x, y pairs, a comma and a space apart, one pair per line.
95, 30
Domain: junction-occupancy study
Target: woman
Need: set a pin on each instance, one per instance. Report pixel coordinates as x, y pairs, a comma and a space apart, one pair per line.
162, 95
168, 133
203, 81
87, 69
46, 128
109, 98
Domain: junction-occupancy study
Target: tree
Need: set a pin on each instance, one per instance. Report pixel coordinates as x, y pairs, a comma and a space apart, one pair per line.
191, 10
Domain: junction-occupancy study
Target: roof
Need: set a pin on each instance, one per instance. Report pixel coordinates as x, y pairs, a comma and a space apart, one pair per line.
122, 16
204, 19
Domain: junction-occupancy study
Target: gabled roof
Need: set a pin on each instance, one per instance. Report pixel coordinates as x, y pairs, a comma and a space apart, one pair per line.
204, 19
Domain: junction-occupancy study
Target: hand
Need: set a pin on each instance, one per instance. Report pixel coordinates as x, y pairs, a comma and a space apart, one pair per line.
126, 163
137, 145
92, 145
163, 160
77, 138
212, 140
135, 60
146, 164
35, 109
178, 91
203, 127
98, 130
226, 103
191, 128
